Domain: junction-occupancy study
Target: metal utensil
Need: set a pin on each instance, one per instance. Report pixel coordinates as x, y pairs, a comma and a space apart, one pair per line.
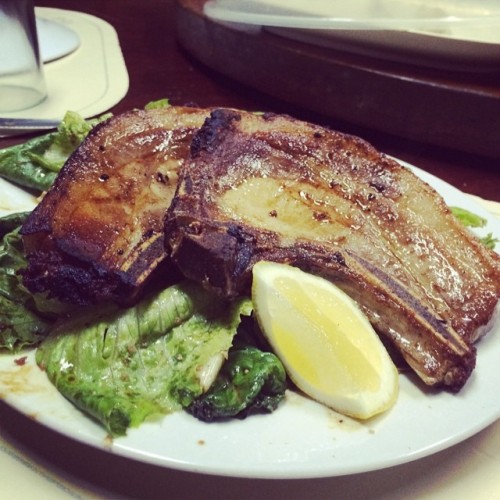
17, 126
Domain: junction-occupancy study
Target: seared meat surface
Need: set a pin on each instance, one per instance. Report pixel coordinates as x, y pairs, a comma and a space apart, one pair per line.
98, 232
274, 188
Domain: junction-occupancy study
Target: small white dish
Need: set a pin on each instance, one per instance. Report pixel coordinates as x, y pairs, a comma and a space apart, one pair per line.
421, 15
56, 40
89, 77
459, 34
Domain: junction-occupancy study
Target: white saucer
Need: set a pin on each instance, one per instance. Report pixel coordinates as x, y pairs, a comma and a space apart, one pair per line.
56, 40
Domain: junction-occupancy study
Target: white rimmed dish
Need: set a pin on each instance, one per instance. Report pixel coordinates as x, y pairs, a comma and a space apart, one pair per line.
302, 439
56, 40
462, 35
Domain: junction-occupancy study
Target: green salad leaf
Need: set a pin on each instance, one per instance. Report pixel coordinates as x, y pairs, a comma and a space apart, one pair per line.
250, 381
489, 241
158, 104
20, 325
70, 133
470, 219
35, 163
11, 222
20, 163
122, 366
467, 218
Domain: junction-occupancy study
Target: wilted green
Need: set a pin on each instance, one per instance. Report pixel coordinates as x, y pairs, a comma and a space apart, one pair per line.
20, 325
250, 381
35, 163
123, 366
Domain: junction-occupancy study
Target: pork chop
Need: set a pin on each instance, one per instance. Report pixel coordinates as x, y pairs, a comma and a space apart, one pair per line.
97, 235
274, 188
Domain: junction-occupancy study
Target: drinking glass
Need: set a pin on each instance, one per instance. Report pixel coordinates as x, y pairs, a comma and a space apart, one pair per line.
22, 83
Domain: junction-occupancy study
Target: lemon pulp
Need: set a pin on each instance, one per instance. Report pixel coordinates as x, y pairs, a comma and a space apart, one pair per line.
325, 342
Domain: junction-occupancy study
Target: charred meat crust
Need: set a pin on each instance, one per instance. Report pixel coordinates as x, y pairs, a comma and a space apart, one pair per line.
274, 188
97, 234
208, 137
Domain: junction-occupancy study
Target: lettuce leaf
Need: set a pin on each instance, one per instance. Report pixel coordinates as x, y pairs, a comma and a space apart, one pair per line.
35, 164
11, 222
124, 366
250, 381
158, 104
489, 241
20, 325
470, 219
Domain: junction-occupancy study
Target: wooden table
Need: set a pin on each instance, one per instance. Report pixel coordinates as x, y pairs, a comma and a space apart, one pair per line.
159, 67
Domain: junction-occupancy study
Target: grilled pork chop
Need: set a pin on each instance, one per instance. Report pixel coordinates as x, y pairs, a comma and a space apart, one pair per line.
274, 188
98, 232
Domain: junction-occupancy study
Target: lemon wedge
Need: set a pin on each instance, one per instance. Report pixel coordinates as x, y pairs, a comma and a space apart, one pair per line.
324, 340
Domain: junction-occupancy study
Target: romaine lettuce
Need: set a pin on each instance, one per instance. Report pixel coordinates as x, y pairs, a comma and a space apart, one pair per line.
35, 164
467, 218
11, 222
20, 325
123, 366
470, 219
250, 381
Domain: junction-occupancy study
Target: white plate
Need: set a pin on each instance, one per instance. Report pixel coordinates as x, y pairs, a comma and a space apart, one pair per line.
55, 39
463, 35
458, 48
301, 439
357, 14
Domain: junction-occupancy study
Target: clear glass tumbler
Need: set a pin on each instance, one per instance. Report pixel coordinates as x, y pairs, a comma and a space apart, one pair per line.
22, 83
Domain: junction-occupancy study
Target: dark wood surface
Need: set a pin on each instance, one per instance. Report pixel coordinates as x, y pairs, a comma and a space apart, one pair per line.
380, 80
160, 67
